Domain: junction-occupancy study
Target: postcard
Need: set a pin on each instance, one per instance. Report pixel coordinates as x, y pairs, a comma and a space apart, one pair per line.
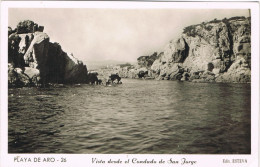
131, 84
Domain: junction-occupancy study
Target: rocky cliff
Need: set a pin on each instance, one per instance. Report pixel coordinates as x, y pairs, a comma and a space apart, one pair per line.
215, 51
34, 60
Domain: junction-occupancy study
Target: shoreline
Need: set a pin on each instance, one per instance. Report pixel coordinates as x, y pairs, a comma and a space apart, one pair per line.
50, 85
214, 51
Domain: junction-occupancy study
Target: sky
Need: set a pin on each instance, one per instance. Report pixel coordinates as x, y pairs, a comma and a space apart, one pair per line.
115, 34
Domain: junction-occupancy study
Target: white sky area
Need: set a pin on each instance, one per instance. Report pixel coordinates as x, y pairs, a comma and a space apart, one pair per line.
115, 34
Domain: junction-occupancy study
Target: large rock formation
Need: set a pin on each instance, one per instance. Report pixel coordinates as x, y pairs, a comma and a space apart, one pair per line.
215, 51
34, 60
219, 50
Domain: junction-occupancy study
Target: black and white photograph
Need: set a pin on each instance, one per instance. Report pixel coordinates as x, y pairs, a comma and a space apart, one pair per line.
129, 81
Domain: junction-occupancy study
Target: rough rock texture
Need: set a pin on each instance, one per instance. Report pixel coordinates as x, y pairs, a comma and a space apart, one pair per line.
16, 77
133, 72
33, 60
37, 54
75, 70
219, 50
141, 70
147, 61
216, 51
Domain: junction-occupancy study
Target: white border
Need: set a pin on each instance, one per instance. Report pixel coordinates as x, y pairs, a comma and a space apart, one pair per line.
84, 160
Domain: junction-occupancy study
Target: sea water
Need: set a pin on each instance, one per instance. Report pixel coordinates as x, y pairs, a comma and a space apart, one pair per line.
136, 117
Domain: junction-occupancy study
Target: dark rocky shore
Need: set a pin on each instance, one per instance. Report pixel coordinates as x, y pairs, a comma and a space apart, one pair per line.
215, 51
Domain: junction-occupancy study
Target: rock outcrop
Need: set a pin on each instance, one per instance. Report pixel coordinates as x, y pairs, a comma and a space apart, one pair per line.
141, 70
28, 26
216, 51
147, 61
34, 60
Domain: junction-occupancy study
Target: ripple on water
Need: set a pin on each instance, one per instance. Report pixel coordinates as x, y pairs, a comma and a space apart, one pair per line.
138, 116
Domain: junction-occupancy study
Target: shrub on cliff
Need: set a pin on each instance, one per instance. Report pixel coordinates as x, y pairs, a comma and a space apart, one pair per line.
236, 18
208, 28
215, 21
147, 61
190, 30
25, 27
28, 26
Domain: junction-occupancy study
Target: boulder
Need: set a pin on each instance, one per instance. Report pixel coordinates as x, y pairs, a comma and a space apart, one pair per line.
16, 78
195, 75
177, 76
216, 71
31, 72
236, 73
176, 51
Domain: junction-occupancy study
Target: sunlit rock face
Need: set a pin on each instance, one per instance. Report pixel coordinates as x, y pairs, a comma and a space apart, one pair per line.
34, 60
219, 50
